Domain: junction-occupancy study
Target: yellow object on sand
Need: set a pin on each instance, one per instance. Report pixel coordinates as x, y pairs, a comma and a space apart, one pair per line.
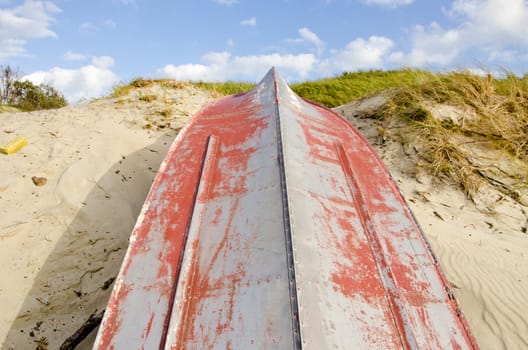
14, 145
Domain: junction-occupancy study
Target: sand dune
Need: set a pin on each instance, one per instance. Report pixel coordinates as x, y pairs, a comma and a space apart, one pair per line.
62, 243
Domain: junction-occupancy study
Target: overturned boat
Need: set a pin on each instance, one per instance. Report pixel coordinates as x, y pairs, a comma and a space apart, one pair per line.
272, 224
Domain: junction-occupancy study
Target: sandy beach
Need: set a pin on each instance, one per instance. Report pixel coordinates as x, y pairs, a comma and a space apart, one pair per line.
62, 242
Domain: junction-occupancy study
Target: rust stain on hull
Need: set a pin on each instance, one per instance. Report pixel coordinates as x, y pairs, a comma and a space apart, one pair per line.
272, 223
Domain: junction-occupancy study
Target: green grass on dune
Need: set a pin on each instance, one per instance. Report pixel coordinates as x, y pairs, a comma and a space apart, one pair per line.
333, 92
225, 88
216, 89
4, 108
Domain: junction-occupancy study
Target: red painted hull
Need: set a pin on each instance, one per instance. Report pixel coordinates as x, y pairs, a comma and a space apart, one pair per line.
273, 224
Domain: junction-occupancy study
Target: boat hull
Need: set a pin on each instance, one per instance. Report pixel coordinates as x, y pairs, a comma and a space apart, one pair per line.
272, 223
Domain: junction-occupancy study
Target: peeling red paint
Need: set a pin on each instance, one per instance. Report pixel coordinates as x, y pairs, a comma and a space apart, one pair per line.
149, 326
362, 278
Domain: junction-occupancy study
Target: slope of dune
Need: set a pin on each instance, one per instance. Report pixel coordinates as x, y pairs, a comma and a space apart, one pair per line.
61, 243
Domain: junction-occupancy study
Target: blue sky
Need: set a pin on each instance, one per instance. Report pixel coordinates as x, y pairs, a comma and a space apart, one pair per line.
85, 47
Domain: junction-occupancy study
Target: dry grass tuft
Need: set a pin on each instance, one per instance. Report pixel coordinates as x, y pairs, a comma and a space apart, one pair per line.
123, 89
166, 112
492, 112
147, 98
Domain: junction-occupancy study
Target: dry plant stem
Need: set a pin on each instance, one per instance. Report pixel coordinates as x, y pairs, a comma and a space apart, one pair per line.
76, 338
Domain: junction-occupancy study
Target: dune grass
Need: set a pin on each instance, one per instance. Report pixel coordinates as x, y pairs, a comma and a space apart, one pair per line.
493, 116
225, 88
123, 88
333, 92
4, 108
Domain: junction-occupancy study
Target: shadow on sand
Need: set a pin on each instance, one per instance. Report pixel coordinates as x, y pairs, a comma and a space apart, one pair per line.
77, 277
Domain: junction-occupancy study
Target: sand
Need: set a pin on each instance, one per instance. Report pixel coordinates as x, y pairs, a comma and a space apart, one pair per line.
61, 243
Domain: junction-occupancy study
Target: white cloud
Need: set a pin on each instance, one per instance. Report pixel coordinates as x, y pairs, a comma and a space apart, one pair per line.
74, 56
110, 23
226, 2
389, 3
230, 43
495, 31
360, 54
31, 20
250, 22
87, 27
493, 21
431, 45
90, 27
307, 35
103, 62
485, 73
219, 66
76, 84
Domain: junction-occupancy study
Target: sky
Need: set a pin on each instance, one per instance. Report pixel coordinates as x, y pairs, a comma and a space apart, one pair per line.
84, 48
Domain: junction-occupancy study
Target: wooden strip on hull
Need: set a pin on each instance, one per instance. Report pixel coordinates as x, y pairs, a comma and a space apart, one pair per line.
273, 224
